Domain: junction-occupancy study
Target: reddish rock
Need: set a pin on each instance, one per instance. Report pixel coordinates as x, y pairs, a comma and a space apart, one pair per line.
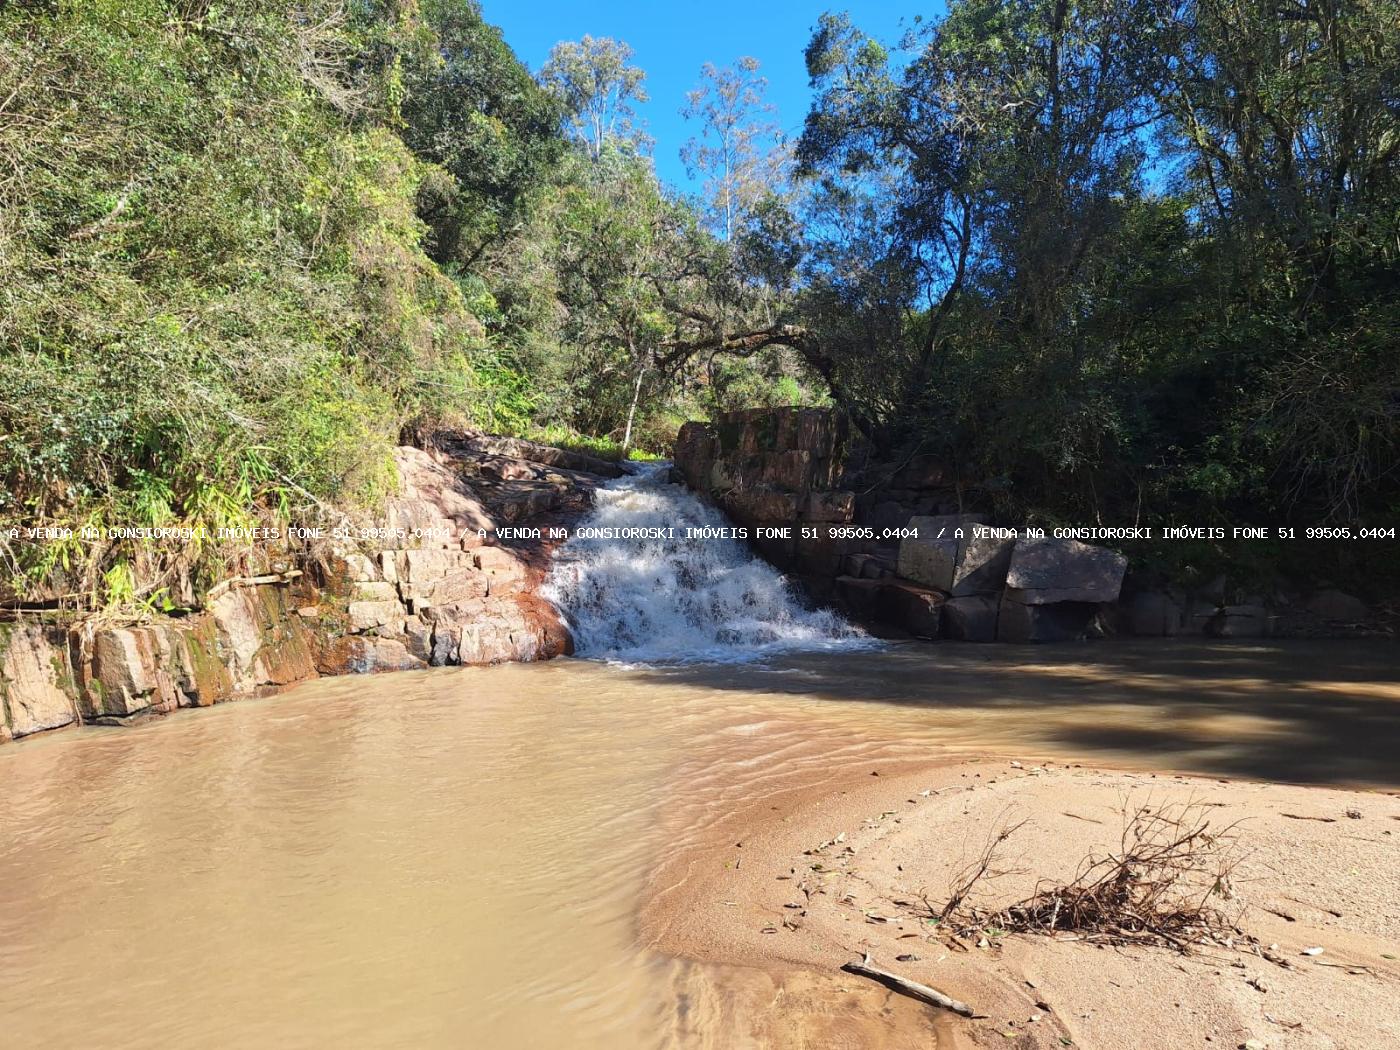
33, 674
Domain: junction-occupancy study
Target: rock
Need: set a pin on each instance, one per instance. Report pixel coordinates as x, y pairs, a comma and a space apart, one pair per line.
929, 561
1055, 622
128, 673
1154, 614
918, 610
432, 496
876, 568
1240, 621
820, 555
818, 431
1337, 607
418, 639
375, 592
971, 618
33, 674
520, 449
859, 597
931, 557
888, 514
839, 507
365, 615
922, 472
280, 642
790, 470
388, 566
387, 654
361, 654
430, 565
855, 564
982, 564
358, 568
1198, 617
762, 506
506, 571
694, 453
447, 640
1050, 571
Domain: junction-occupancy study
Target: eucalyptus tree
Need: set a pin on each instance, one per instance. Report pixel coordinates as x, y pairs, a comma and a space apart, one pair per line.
598, 87
738, 149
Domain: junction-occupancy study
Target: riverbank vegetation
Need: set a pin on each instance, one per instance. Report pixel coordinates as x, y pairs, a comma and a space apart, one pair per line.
1113, 259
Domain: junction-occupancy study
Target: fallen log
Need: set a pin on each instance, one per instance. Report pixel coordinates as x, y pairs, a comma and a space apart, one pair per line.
904, 986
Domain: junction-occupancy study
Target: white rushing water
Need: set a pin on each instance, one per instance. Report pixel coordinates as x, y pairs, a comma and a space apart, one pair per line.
680, 599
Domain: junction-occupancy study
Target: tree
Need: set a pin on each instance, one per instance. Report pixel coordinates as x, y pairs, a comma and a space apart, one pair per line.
597, 86
470, 106
738, 148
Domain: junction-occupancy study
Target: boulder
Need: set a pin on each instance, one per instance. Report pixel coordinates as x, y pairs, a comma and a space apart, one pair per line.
839, 507
1337, 607
33, 670
376, 591
129, 672
790, 470
1055, 622
365, 654
818, 431
1051, 571
931, 557
367, 615
859, 597
763, 506
982, 564
1240, 621
918, 610
971, 618
922, 472
695, 453
887, 514
418, 639
822, 554
506, 571
1154, 614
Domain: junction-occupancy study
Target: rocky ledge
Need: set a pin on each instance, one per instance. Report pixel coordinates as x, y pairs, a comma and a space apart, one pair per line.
893, 543
449, 592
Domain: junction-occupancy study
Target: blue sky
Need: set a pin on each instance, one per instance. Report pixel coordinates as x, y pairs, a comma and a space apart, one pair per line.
673, 40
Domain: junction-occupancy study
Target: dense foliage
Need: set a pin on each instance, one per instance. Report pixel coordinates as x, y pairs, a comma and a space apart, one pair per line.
1121, 256
246, 245
1113, 259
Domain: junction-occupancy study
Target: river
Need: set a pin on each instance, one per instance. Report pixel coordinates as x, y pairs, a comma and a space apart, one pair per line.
455, 857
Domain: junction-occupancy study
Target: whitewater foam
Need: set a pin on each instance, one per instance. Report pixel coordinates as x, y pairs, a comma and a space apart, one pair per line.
649, 599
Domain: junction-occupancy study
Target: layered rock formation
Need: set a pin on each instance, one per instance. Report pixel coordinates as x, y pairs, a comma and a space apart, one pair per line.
893, 545
437, 587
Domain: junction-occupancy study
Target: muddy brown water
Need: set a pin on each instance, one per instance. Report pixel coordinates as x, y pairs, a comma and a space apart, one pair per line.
455, 858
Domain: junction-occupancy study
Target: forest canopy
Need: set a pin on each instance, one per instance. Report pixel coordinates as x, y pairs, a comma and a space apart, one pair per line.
1111, 259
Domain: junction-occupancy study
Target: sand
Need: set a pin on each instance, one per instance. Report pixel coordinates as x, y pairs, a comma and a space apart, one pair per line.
784, 893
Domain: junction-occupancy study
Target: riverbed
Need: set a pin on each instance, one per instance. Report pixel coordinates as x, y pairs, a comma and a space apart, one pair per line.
457, 857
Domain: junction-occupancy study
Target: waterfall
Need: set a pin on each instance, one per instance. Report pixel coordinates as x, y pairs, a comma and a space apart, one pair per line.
678, 599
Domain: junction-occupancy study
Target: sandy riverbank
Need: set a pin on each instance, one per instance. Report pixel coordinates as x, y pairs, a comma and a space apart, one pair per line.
769, 917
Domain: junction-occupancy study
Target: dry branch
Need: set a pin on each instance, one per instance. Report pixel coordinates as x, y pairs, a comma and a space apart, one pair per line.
1156, 888
904, 986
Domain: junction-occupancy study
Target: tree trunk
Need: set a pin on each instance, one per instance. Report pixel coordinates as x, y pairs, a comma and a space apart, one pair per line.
632, 410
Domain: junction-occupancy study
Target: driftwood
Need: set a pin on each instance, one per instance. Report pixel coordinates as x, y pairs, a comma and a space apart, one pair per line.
249, 581
904, 986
